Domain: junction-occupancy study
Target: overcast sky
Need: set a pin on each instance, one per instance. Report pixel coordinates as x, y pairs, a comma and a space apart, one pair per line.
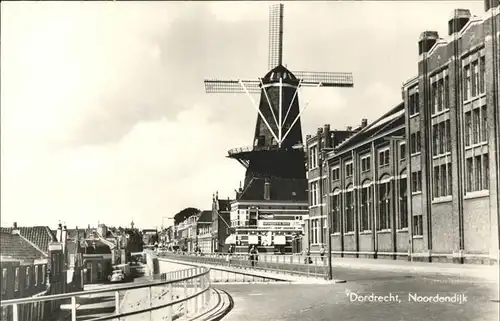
103, 112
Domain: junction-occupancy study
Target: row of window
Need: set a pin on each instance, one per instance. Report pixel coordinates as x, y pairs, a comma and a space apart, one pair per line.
440, 95
315, 230
477, 171
441, 138
384, 203
414, 104
313, 157
442, 185
474, 74
27, 279
476, 126
415, 143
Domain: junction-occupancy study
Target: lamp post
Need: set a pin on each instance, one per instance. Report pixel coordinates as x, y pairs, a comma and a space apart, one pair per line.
322, 159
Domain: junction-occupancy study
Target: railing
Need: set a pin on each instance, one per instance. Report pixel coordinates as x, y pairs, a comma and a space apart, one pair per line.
171, 295
289, 264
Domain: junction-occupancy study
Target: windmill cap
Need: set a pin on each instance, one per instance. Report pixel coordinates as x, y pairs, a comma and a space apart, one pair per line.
279, 72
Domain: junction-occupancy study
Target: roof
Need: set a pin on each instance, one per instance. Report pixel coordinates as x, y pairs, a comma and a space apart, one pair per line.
279, 72
39, 236
16, 247
282, 189
391, 119
205, 217
95, 247
224, 205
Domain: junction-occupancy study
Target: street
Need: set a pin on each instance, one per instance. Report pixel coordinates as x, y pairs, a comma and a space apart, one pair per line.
332, 302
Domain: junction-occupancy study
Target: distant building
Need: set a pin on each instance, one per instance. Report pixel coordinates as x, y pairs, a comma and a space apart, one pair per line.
221, 223
204, 229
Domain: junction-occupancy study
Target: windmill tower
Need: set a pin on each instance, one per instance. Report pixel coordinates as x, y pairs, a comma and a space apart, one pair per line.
277, 152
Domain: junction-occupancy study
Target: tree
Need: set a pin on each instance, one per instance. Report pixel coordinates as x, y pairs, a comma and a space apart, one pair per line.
185, 213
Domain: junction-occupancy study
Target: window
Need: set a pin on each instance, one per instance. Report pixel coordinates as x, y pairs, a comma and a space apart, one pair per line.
442, 133
434, 94
349, 211
313, 157
383, 158
43, 274
365, 164
484, 124
475, 125
402, 151
435, 139
335, 204
436, 181
416, 182
384, 205
440, 95
36, 275
16, 280
335, 174
418, 225
477, 173
467, 128
315, 231
313, 194
475, 79
414, 104
4, 281
27, 279
348, 169
403, 208
467, 80
482, 66
415, 143
366, 196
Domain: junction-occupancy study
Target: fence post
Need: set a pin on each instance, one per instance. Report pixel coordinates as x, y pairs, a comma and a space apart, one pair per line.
185, 296
150, 296
15, 312
195, 280
171, 307
117, 303
73, 308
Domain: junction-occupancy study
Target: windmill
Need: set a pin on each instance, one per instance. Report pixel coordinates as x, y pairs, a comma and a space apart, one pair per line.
277, 150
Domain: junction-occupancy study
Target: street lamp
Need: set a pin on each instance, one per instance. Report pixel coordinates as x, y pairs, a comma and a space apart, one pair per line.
322, 158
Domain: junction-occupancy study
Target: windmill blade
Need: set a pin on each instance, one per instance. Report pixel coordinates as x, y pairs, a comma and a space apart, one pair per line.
232, 86
325, 79
275, 35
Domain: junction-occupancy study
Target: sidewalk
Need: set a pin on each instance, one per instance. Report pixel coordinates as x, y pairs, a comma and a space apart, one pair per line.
489, 272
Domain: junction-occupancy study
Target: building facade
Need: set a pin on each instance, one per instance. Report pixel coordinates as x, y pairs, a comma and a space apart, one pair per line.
317, 175
422, 182
452, 124
221, 223
204, 231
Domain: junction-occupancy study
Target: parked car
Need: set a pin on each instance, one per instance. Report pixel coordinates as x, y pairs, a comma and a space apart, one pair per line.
117, 276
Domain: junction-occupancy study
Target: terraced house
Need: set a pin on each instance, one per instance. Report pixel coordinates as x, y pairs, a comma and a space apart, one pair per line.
422, 182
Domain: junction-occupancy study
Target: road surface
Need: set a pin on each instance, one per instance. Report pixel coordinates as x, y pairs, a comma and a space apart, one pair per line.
279, 302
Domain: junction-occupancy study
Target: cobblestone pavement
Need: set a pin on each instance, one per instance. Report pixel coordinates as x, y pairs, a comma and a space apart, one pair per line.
277, 302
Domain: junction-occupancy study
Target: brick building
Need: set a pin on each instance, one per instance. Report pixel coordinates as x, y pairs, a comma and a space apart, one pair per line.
324, 140
452, 124
423, 180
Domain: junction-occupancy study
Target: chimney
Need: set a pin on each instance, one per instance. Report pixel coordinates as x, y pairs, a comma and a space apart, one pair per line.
426, 41
267, 190
348, 128
326, 136
64, 237
488, 4
59, 233
364, 122
458, 20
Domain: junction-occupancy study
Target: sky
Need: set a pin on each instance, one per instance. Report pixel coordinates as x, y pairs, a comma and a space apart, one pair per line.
104, 118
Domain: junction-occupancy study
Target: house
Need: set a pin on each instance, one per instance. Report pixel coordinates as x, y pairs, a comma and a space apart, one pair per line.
221, 223
204, 234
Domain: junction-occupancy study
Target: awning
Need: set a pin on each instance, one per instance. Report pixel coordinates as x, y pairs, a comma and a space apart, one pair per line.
253, 239
279, 240
230, 240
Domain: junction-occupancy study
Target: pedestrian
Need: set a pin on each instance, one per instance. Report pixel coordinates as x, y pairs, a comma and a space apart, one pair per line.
322, 253
308, 256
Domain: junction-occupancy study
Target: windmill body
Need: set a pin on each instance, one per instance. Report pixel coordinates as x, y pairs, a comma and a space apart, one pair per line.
275, 161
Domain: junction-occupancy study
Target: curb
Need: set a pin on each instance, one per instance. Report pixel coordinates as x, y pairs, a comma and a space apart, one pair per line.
224, 305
